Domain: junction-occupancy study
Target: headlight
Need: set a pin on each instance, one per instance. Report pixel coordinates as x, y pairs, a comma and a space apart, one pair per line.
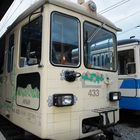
114, 96
60, 100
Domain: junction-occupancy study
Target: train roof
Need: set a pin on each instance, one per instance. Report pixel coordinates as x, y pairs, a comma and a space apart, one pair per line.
128, 41
68, 5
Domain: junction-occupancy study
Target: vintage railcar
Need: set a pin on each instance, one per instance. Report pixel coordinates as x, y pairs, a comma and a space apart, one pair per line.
50, 82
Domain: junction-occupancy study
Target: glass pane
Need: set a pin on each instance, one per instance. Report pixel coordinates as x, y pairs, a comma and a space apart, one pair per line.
99, 48
31, 37
126, 61
64, 40
2, 52
10, 53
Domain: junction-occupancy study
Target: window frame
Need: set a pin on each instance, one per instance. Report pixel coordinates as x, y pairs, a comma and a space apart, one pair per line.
2, 42
134, 57
114, 48
11, 55
20, 44
79, 37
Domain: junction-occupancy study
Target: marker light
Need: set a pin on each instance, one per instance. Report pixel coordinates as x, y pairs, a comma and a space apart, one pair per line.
114, 96
61, 100
92, 6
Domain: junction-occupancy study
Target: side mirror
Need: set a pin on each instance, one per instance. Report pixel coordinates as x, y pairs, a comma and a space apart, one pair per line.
131, 68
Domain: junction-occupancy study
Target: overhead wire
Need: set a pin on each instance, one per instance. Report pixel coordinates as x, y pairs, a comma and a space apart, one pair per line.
129, 30
120, 3
7, 13
10, 15
122, 19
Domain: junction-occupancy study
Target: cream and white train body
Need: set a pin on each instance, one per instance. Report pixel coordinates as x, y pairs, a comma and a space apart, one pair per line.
50, 83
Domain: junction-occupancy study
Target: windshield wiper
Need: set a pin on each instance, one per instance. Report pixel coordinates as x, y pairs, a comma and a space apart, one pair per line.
94, 33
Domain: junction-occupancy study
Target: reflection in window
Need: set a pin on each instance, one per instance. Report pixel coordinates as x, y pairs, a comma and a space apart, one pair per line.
126, 62
31, 36
99, 44
64, 40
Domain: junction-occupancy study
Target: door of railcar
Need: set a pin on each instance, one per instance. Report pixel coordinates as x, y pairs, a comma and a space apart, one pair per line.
127, 72
2, 71
10, 67
28, 76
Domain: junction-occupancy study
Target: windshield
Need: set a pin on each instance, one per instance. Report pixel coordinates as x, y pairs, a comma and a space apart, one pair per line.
64, 40
99, 48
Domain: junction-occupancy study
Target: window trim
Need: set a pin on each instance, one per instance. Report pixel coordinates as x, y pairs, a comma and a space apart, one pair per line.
134, 52
79, 37
9, 64
115, 48
3, 39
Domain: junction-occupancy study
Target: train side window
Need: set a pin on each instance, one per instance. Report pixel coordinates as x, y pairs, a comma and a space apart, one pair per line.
10, 53
126, 62
31, 38
2, 50
65, 40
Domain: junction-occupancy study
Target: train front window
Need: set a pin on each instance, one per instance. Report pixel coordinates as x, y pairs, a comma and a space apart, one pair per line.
64, 40
99, 48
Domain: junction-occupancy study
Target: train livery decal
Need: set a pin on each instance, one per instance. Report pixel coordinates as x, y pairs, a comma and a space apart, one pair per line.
92, 79
130, 84
28, 90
